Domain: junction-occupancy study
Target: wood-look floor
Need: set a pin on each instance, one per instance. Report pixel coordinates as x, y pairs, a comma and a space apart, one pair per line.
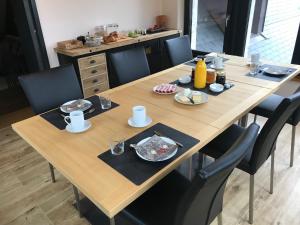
27, 195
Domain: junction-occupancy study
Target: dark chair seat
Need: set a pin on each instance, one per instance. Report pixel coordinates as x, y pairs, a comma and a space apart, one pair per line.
159, 202
179, 50
130, 65
268, 107
177, 201
222, 143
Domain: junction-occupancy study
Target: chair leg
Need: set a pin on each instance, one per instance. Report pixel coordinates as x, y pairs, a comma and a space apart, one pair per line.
112, 221
190, 169
255, 118
272, 172
201, 158
52, 172
220, 219
251, 199
77, 199
293, 146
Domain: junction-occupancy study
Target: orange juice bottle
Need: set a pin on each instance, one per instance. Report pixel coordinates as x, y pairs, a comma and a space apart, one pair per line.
200, 74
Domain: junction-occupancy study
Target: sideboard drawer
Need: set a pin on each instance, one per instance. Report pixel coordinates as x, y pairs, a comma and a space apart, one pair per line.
94, 60
93, 71
92, 81
95, 89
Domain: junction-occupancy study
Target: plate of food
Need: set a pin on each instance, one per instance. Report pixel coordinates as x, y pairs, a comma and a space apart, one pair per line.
165, 89
275, 72
156, 149
80, 105
189, 97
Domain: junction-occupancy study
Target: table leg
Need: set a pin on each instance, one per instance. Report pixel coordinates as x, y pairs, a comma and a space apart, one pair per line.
243, 122
112, 221
76, 193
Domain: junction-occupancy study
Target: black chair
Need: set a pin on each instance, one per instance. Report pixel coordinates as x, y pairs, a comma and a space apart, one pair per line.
179, 50
130, 65
49, 89
265, 144
178, 201
268, 107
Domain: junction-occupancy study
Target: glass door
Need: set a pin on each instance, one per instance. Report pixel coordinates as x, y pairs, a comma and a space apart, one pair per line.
209, 21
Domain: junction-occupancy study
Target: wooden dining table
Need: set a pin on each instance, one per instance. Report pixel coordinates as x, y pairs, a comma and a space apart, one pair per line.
75, 155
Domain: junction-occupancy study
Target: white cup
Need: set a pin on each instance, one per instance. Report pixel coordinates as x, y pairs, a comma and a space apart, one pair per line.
76, 120
139, 115
218, 62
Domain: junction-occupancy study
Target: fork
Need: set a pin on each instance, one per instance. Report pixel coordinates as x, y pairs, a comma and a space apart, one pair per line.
161, 135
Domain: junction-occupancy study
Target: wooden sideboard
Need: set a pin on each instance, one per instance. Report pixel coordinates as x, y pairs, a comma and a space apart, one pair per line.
93, 65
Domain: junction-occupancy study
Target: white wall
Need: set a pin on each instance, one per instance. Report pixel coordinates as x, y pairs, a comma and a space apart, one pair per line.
174, 9
67, 19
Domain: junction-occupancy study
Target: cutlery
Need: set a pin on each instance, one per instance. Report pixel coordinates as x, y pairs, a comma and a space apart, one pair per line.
90, 111
161, 135
191, 100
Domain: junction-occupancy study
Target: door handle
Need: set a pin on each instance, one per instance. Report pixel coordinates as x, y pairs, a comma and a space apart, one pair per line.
227, 20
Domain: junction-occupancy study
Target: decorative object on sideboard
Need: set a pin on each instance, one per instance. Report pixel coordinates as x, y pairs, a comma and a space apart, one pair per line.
70, 44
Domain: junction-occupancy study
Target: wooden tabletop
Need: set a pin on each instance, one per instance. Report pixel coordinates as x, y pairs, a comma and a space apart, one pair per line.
75, 156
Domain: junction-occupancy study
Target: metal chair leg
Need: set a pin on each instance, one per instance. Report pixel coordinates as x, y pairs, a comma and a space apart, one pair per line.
112, 221
293, 146
190, 165
272, 172
251, 199
220, 219
52, 172
77, 199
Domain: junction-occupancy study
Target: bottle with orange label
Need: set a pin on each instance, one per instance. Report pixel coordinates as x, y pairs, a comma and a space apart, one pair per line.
200, 74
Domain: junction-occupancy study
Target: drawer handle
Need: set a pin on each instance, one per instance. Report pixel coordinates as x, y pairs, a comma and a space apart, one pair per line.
95, 81
94, 71
92, 61
96, 90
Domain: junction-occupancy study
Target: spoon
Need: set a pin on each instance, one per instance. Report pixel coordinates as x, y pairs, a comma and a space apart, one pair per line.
90, 111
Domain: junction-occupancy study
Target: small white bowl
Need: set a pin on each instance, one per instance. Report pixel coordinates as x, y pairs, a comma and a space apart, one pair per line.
216, 87
185, 79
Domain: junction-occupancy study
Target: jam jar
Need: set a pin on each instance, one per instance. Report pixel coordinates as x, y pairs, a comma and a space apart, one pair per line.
221, 77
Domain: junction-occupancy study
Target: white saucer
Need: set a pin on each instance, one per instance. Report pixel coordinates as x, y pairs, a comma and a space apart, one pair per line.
147, 123
216, 87
87, 125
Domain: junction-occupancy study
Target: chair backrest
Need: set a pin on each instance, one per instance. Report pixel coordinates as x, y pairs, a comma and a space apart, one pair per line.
179, 50
203, 200
296, 115
130, 65
49, 89
266, 140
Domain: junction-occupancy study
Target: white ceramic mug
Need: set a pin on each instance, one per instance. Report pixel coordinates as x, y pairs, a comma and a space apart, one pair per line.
76, 120
139, 115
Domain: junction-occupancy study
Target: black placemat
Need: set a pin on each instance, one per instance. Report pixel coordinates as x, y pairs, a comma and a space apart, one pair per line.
138, 170
55, 116
262, 75
208, 62
205, 90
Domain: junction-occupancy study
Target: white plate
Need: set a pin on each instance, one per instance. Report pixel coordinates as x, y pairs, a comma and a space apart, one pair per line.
275, 72
87, 125
217, 88
147, 123
168, 140
86, 105
154, 90
204, 98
